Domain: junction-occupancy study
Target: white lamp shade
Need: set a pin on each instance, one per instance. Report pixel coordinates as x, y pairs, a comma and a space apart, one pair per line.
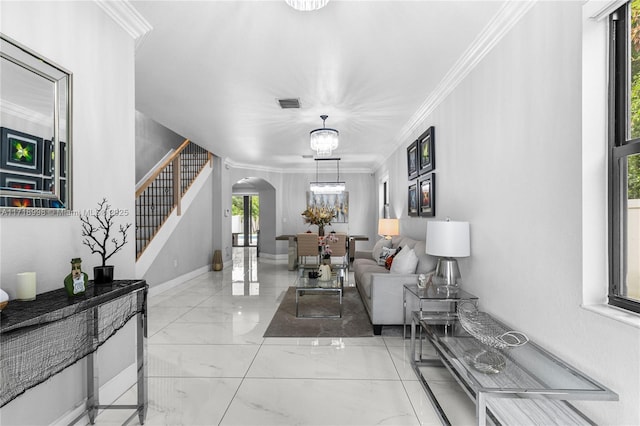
388, 227
448, 239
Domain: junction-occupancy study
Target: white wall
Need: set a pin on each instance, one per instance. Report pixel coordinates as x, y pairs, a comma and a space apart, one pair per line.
81, 38
508, 150
153, 142
190, 246
290, 196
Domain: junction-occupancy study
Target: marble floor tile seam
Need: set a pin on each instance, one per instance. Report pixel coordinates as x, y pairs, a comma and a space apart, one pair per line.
323, 341
305, 379
150, 344
416, 410
196, 377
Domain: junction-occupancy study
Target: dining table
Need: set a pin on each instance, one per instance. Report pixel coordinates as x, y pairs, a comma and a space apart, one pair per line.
293, 248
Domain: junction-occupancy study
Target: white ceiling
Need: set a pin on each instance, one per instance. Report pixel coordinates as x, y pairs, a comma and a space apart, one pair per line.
212, 71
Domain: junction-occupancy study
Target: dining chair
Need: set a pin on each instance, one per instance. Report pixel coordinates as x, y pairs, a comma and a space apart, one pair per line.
339, 248
308, 247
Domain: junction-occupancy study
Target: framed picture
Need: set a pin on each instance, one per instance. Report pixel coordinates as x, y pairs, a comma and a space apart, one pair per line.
427, 187
17, 202
427, 150
338, 202
413, 199
50, 156
412, 160
20, 182
21, 152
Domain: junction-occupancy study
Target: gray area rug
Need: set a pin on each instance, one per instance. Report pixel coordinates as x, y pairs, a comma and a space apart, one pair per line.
354, 322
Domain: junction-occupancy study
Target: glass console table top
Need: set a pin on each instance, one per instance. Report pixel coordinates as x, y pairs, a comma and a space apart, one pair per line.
529, 369
529, 372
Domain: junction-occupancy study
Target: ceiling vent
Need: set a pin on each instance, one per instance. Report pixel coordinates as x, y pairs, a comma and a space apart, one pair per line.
289, 103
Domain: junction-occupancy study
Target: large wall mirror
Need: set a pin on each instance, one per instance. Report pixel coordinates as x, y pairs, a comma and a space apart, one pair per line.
35, 132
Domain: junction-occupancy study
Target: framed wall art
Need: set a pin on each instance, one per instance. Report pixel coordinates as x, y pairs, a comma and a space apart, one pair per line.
427, 189
427, 150
338, 202
412, 197
412, 160
20, 152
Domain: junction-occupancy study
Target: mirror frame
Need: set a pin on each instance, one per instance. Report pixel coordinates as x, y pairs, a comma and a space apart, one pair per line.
60, 198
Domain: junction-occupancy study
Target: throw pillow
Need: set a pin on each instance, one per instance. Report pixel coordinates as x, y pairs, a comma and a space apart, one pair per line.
405, 262
384, 255
377, 248
389, 260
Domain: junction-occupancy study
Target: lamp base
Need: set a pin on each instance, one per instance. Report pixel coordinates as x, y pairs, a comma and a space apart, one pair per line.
447, 275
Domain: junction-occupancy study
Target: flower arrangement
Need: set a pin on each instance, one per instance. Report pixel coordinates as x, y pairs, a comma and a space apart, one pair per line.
320, 216
325, 250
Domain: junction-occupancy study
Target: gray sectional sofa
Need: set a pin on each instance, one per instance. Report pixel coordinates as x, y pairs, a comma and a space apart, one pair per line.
381, 290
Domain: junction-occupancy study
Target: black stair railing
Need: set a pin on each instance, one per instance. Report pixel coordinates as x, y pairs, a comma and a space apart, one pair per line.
162, 192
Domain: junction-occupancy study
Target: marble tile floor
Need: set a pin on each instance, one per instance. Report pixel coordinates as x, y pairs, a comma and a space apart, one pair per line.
210, 365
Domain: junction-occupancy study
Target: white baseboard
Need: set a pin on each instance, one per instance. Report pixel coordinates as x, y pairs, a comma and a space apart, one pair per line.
167, 285
274, 258
109, 393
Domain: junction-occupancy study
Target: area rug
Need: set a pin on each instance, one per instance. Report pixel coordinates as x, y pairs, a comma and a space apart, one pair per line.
354, 322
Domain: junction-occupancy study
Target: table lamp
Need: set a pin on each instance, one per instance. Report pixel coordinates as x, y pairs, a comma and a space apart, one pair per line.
447, 240
388, 228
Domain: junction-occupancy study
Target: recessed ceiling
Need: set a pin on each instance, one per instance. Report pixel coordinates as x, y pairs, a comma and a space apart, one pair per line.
210, 71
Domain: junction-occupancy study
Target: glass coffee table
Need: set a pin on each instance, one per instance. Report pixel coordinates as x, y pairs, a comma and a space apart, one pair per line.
309, 286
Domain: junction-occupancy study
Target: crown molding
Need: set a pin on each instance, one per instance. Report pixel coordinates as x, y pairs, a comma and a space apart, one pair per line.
26, 114
125, 15
508, 15
601, 9
236, 165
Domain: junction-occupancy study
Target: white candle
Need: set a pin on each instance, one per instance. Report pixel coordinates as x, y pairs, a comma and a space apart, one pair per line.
26, 287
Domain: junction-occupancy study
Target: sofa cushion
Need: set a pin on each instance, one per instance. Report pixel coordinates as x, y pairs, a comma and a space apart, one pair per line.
385, 254
405, 262
426, 262
365, 278
377, 248
362, 270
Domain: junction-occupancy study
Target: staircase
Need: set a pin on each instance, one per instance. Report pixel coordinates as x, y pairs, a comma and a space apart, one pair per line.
162, 192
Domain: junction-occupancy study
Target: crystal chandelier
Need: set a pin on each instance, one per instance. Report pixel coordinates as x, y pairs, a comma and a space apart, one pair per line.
307, 5
324, 140
328, 187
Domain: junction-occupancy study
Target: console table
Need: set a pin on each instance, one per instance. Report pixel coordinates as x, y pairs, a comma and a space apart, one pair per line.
532, 387
42, 337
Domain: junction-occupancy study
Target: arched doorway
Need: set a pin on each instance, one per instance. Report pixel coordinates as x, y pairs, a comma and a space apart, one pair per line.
253, 214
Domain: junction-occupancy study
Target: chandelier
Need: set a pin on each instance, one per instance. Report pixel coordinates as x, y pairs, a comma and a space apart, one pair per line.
328, 187
324, 140
307, 5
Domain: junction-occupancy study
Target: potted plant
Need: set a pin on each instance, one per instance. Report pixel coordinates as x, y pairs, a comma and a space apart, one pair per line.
97, 229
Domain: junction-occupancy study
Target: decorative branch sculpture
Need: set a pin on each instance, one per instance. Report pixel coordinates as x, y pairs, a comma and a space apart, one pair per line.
96, 235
